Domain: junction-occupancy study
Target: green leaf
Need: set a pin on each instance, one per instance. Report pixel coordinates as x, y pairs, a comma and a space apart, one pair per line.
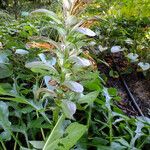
113, 92
40, 65
72, 134
3, 57
5, 71
5, 136
114, 146
89, 98
113, 74
48, 13
56, 133
4, 121
4, 114
19, 99
123, 142
37, 144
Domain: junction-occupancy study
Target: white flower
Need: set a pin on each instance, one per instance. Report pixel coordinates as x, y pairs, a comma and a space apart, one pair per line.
133, 57
116, 49
129, 41
74, 86
86, 31
80, 62
92, 43
21, 52
144, 66
101, 49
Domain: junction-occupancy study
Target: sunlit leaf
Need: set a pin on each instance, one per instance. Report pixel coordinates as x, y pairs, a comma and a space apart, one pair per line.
37, 144
40, 65
89, 98
71, 135
49, 13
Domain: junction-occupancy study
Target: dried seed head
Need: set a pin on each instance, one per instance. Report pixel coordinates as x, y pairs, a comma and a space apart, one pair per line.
88, 23
78, 6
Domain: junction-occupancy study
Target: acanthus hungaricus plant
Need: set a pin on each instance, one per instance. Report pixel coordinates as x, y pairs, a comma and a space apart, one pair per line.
68, 103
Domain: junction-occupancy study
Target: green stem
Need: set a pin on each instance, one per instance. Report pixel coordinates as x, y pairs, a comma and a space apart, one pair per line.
27, 140
15, 145
3, 145
17, 141
110, 126
42, 131
89, 116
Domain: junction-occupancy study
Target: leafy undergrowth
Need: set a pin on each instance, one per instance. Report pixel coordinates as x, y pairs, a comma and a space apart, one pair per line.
52, 96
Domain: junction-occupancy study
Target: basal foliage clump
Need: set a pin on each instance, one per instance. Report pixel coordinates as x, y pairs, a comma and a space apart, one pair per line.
59, 101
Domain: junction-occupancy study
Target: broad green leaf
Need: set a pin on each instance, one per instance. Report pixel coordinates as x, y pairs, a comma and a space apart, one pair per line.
48, 13
4, 121
56, 133
3, 57
123, 142
37, 144
5, 136
69, 108
89, 98
4, 114
4, 71
39, 65
74, 86
19, 99
72, 134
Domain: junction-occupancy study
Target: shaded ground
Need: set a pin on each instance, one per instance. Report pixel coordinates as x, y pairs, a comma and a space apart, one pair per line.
141, 91
138, 86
